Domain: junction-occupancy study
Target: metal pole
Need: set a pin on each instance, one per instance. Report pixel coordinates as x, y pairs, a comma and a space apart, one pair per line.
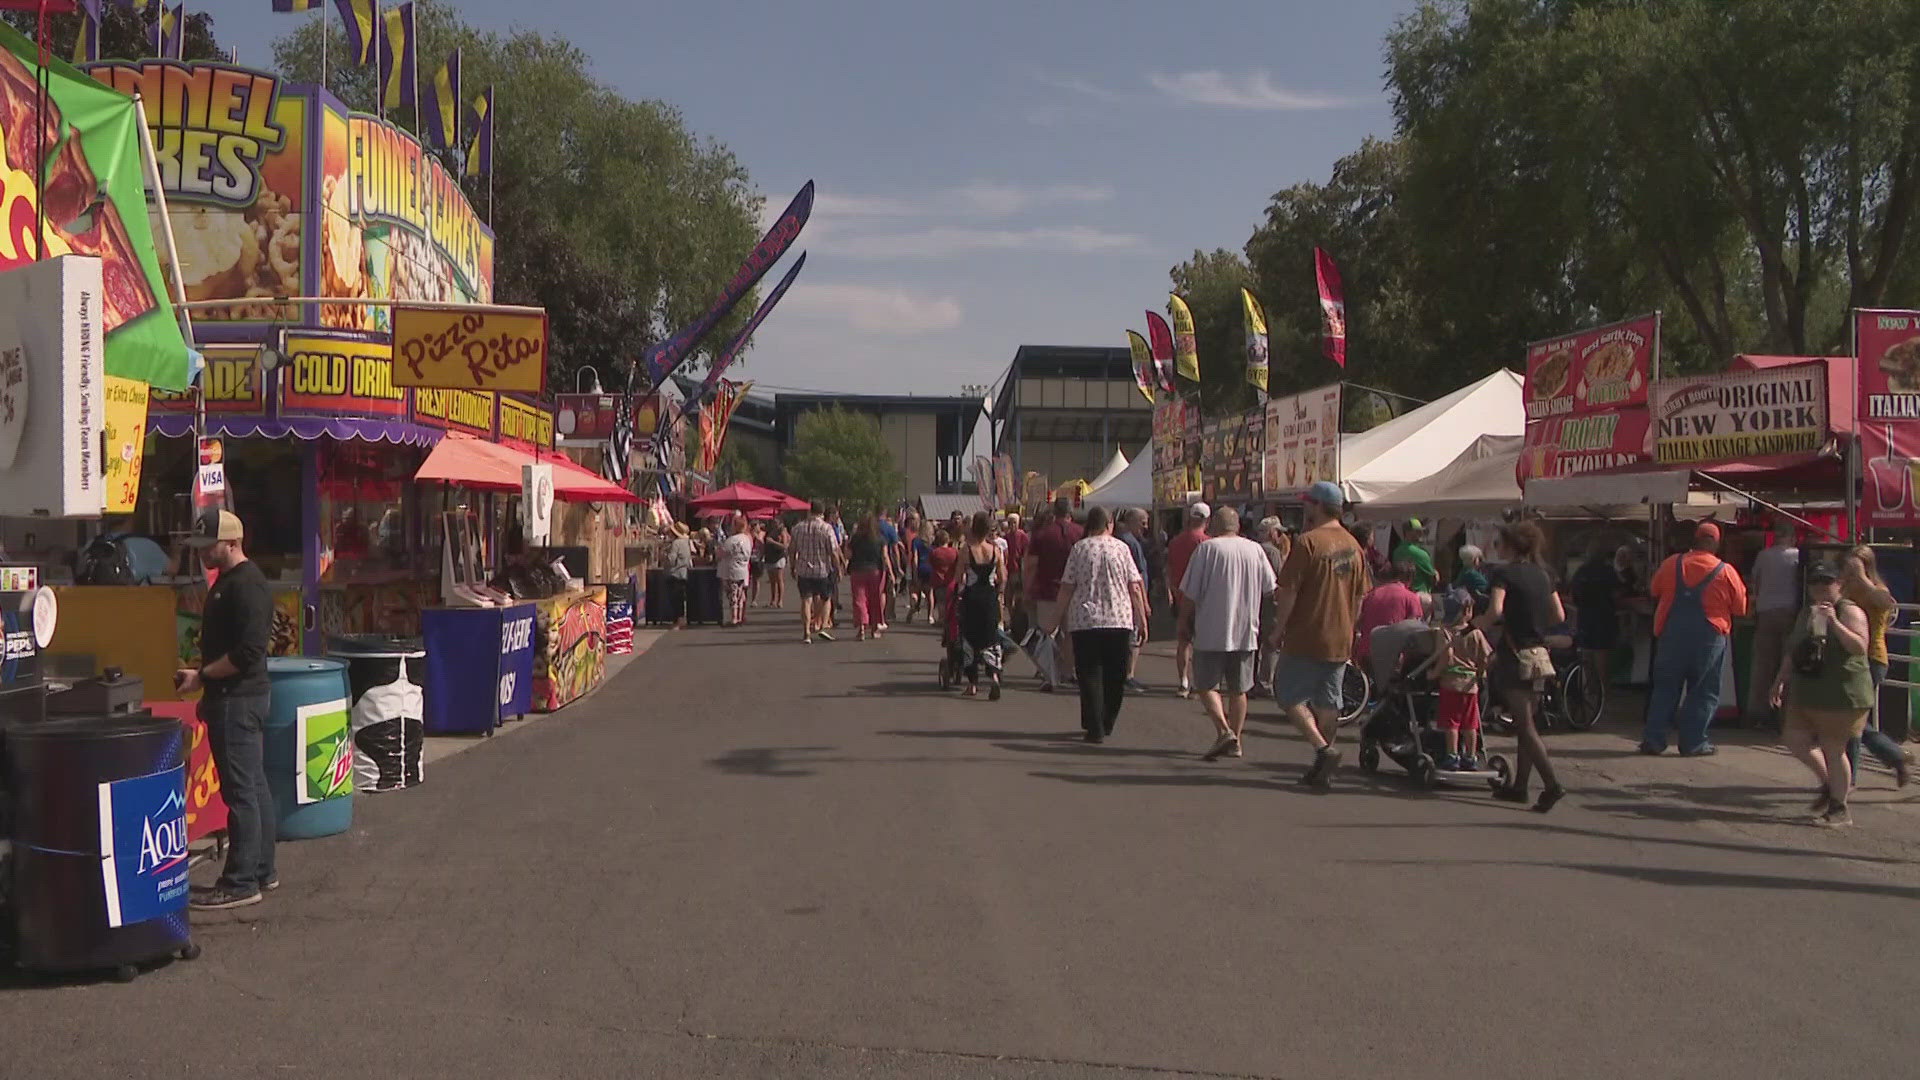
1853, 441
321, 21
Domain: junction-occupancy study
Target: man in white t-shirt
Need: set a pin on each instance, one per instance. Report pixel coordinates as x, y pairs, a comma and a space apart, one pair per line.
731, 565
1776, 600
1224, 584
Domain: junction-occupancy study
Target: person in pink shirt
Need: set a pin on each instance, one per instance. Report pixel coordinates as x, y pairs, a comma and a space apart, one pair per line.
1390, 602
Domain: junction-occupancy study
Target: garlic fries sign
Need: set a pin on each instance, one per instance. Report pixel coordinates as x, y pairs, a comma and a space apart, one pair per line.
469, 349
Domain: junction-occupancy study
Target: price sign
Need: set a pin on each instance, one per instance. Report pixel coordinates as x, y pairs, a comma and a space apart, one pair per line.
470, 348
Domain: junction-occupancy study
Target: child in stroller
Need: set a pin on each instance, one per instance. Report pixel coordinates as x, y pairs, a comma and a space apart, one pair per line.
1406, 722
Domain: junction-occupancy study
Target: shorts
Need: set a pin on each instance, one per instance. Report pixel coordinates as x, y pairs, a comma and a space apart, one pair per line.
1459, 711
1301, 680
1228, 672
754, 570
1829, 725
816, 588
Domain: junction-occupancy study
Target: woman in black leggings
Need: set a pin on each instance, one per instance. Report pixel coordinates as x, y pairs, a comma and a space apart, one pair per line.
1524, 605
1103, 603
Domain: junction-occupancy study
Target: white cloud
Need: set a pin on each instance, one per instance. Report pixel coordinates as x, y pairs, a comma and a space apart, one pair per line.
875, 309
981, 198
1254, 90
946, 241
1082, 87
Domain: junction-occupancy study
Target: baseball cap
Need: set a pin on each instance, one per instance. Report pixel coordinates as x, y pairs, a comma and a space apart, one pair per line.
1706, 530
1199, 512
211, 526
1327, 494
1822, 573
1455, 603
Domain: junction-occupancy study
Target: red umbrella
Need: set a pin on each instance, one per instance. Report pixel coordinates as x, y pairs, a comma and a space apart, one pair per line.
745, 496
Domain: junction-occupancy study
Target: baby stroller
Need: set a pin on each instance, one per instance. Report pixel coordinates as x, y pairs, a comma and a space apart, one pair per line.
1400, 722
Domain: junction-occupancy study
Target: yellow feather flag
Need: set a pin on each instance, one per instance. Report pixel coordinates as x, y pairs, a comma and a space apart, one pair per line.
1186, 349
1256, 321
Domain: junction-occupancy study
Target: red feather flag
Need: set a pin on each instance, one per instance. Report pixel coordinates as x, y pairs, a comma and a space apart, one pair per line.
1333, 307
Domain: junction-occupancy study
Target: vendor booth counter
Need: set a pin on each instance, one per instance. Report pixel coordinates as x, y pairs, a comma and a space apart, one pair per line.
570, 655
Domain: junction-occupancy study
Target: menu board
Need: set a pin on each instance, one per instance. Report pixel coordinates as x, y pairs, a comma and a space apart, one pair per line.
1888, 345
1302, 444
1586, 399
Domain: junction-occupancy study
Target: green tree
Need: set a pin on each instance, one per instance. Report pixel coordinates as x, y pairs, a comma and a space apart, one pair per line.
608, 212
840, 457
737, 466
1753, 165
124, 34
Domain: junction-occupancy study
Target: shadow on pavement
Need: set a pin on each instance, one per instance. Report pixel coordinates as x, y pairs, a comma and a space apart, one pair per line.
1660, 875
953, 733
766, 761
1536, 825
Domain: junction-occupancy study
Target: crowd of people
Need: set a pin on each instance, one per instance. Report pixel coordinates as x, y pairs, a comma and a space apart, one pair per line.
1260, 610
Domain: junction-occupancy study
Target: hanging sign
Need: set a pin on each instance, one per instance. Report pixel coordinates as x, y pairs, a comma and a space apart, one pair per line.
470, 349
339, 376
229, 383
210, 482
1586, 399
1302, 442
1888, 346
526, 424
126, 441
1741, 415
470, 411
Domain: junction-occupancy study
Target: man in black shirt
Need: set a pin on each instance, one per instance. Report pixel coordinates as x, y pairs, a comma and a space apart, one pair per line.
235, 628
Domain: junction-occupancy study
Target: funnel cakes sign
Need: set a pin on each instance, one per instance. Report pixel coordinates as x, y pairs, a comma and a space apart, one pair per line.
1586, 399
276, 189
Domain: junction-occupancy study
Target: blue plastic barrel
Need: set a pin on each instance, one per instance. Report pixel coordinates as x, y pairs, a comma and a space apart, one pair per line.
309, 746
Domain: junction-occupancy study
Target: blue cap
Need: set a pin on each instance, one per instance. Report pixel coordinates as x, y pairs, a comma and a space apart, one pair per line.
1454, 604
1327, 494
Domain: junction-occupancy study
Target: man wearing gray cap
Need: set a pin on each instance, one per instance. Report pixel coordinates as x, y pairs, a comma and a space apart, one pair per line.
236, 626
1319, 596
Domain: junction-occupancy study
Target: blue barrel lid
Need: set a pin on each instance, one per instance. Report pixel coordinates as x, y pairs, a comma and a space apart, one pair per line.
302, 665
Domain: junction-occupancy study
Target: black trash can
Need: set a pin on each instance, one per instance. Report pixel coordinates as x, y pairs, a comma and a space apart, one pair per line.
388, 721
100, 842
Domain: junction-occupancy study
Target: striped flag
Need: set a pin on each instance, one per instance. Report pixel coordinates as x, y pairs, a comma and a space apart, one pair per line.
359, 15
295, 5
169, 30
480, 150
86, 43
619, 443
397, 76
443, 105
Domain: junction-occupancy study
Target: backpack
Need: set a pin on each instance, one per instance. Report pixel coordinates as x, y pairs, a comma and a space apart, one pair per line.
104, 562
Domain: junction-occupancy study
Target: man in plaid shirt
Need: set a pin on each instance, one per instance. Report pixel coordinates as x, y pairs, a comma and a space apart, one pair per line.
816, 563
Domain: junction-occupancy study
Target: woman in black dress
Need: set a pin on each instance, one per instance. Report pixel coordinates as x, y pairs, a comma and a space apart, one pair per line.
979, 578
1523, 607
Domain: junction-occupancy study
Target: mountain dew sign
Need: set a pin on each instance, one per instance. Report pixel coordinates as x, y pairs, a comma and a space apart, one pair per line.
325, 749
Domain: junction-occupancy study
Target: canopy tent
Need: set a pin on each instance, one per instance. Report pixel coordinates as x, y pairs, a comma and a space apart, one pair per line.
941, 507
1132, 486
745, 496
1114, 468
1479, 483
468, 462
1377, 462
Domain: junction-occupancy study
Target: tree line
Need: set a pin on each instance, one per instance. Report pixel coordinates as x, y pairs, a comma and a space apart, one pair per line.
1748, 168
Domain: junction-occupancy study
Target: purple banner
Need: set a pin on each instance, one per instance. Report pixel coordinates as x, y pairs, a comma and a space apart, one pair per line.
739, 342
659, 361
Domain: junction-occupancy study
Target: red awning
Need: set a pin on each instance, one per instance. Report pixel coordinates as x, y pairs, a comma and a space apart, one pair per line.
468, 462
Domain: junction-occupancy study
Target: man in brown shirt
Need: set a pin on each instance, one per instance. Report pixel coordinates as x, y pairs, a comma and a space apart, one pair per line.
1315, 606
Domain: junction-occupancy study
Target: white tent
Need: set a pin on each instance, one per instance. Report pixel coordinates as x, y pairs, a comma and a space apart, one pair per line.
1132, 486
1382, 460
1114, 468
1478, 484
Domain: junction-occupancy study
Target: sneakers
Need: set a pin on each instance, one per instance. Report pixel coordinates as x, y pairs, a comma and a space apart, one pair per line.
1548, 797
221, 897
1509, 793
272, 883
1835, 817
1225, 744
1703, 750
1135, 686
1185, 690
1447, 763
823, 635
1821, 800
1320, 773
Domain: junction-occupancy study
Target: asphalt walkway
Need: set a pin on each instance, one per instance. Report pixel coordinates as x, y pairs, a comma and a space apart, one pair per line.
751, 857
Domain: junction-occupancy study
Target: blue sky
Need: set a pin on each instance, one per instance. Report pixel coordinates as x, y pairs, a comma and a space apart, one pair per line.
991, 174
